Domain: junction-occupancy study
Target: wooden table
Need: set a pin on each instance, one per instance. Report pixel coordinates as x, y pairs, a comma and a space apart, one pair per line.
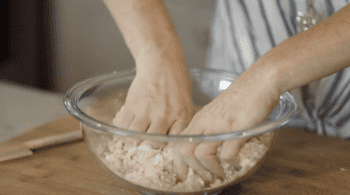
299, 162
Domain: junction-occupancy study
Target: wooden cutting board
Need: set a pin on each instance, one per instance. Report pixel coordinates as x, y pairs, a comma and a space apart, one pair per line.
299, 162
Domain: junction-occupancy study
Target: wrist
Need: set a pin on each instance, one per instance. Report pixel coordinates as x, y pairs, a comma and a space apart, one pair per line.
262, 81
156, 60
160, 65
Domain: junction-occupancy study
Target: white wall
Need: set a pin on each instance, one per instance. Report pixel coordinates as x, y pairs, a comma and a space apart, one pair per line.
88, 43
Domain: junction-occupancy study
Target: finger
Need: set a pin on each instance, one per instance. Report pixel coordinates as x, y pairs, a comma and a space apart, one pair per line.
189, 127
193, 129
230, 152
140, 124
187, 153
181, 168
177, 127
206, 153
157, 127
197, 108
123, 118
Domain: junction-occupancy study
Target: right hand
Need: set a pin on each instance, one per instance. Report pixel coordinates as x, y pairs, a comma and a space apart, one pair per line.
159, 99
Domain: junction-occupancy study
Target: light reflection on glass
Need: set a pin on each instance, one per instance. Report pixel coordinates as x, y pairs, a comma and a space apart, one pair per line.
224, 84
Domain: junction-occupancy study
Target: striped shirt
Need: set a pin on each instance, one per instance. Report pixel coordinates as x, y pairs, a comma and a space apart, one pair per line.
244, 30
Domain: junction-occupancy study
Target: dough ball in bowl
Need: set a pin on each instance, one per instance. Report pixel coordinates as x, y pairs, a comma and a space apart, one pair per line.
153, 168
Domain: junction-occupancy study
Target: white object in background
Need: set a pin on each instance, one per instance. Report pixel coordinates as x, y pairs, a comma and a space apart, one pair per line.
23, 108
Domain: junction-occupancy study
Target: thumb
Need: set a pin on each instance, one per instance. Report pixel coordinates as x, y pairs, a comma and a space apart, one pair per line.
230, 152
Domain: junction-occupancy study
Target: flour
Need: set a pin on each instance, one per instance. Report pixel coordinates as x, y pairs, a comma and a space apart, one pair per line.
153, 168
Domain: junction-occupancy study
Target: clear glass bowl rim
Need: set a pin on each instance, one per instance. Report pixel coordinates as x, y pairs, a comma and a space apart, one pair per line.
73, 95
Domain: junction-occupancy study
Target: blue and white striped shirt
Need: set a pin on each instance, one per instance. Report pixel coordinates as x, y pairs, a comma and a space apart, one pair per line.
244, 30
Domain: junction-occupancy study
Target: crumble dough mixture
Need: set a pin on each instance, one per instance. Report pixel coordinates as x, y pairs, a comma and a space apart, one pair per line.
153, 168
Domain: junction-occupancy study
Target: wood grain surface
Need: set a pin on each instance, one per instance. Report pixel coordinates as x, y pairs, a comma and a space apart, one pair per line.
299, 162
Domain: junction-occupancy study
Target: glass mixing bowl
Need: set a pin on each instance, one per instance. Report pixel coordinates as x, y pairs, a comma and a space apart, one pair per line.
95, 102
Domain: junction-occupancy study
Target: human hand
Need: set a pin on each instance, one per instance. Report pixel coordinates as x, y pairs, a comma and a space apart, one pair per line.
241, 106
159, 99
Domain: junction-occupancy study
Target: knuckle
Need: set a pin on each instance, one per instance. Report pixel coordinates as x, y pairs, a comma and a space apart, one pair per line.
140, 110
179, 113
161, 118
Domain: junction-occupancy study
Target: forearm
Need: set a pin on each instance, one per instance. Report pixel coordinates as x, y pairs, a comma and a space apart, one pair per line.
318, 52
147, 29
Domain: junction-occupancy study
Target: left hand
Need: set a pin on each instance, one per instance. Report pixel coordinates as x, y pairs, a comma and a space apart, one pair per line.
239, 107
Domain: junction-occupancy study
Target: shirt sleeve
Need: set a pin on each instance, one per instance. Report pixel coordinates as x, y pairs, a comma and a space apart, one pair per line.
324, 105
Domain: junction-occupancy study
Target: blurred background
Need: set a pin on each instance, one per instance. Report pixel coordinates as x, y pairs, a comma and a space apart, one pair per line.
52, 44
